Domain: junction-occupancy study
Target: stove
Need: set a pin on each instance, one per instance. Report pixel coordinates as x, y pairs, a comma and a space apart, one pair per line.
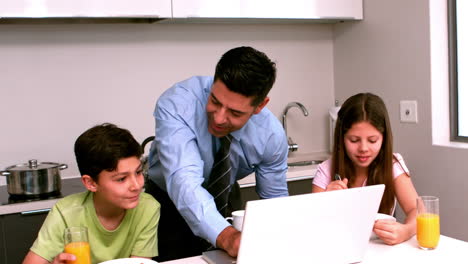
69, 186
31, 198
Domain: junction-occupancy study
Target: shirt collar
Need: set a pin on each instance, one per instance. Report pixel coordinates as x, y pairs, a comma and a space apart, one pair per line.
238, 134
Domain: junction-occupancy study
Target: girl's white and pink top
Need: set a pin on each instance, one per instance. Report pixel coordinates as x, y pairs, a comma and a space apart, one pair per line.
323, 174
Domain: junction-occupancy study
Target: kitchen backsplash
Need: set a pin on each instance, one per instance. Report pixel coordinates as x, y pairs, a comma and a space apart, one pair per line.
59, 80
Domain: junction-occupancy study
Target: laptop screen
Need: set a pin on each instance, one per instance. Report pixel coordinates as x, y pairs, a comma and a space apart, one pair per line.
327, 227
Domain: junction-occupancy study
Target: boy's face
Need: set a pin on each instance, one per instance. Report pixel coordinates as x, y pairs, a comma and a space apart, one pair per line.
120, 188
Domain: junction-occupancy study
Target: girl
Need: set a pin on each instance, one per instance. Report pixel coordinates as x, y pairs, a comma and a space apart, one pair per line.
363, 155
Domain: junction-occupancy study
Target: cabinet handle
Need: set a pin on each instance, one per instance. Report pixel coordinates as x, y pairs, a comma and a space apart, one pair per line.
33, 212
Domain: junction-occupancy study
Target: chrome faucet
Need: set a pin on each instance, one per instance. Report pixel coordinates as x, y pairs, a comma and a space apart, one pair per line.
291, 145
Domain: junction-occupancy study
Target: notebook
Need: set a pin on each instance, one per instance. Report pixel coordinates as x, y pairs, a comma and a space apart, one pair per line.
327, 227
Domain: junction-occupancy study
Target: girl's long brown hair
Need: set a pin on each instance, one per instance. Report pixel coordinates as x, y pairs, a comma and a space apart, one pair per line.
370, 108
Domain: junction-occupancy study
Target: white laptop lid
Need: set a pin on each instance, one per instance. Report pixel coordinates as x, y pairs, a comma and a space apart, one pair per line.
327, 227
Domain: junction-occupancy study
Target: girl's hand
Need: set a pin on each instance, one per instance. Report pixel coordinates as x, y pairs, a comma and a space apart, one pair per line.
391, 232
337, 185
63, 258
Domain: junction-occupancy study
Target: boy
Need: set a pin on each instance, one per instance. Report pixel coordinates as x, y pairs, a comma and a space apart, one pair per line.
122, 221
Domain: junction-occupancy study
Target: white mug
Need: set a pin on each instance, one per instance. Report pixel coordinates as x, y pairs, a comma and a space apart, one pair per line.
237, 219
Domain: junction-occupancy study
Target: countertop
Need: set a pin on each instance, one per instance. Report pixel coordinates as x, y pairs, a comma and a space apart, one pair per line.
69, 186
73, 185
294, 173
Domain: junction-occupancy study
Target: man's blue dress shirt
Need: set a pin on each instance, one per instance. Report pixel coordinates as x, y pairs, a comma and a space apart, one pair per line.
182, 154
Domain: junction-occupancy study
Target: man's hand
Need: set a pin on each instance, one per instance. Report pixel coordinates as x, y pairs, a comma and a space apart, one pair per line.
229, 240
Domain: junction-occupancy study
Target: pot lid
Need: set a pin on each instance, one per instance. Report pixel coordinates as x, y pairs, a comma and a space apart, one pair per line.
33, 165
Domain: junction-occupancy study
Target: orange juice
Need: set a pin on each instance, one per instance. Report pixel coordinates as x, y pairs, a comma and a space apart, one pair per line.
81, 250
428, 230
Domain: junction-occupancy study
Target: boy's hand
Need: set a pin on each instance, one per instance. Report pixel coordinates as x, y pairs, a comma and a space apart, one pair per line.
63, 258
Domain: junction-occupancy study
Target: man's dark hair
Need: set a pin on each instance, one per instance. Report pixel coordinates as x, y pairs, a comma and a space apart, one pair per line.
101, 147
247, 71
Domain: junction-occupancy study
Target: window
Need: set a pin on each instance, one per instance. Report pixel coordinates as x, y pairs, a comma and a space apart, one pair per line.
458, 68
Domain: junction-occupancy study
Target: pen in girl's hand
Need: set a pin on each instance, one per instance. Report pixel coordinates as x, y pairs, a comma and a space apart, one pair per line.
337, 177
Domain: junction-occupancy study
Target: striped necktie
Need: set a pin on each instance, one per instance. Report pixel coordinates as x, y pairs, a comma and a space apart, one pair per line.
220, 177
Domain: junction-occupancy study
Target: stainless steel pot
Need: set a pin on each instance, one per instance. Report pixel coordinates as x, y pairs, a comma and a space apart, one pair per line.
34, 178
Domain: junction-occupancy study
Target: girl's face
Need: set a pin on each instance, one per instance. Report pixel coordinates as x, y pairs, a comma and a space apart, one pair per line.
362, 143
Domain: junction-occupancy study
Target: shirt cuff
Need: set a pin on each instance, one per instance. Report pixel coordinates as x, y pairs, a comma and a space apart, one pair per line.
213, 225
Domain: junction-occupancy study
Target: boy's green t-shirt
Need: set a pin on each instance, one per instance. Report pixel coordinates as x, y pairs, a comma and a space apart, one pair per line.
135, 236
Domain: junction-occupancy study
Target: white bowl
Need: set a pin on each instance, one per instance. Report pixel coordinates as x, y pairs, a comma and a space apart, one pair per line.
130, 261
380, 216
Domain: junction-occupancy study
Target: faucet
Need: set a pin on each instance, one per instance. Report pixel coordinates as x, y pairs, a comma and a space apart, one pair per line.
291, 145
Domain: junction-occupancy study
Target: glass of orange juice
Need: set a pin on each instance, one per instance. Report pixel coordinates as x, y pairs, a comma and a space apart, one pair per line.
77, 243
427, 222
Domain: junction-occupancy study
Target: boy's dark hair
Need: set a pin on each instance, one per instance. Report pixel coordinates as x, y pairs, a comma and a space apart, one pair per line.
247, 71
101, 147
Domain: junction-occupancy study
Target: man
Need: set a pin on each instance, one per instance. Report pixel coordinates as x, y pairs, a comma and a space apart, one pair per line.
192, 118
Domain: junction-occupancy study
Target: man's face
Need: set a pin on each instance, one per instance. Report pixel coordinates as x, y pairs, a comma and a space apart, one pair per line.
228, 111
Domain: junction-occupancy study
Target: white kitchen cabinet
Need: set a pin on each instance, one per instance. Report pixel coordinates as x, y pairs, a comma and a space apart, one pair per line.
303, 9
19, 233
206, 8
291, 9
85, 8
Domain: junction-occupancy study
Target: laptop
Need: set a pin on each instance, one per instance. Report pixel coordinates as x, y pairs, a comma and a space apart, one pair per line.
327, 227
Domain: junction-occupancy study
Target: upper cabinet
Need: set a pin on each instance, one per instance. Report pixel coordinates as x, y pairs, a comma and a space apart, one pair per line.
291, 9
183, 10
206, 8
85, 8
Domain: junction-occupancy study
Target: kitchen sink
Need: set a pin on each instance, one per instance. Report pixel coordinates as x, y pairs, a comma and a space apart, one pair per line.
304, 163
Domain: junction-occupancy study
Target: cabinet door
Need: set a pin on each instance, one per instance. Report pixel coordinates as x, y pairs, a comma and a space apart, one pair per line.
20, 231
291, 9
303, 9
206, 8
86, 8
300, 187
2, 242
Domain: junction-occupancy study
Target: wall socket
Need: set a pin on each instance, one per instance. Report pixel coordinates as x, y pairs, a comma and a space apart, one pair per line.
408, 111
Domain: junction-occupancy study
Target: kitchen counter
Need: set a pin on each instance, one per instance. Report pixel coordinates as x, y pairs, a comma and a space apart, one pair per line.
74, 185
8, 206
294, 173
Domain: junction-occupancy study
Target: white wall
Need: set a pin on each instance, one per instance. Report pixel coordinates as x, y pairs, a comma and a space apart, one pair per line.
58, 80
388, 53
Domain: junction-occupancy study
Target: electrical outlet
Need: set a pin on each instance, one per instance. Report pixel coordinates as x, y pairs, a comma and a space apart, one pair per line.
409, 111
